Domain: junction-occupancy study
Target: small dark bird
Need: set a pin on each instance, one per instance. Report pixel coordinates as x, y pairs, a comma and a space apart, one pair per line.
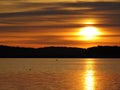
30, 69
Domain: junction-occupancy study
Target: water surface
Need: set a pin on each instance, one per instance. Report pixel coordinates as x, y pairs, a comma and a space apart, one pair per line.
59, 74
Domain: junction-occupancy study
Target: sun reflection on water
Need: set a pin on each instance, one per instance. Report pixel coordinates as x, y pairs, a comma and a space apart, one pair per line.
89, 75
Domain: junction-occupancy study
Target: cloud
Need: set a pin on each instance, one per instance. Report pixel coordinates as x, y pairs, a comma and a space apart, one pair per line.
20, 13
27, 17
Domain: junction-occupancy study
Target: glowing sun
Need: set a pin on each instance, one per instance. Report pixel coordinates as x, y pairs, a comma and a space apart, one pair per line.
89, 33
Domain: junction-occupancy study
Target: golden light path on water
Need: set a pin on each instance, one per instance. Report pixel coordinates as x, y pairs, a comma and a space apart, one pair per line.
89, 75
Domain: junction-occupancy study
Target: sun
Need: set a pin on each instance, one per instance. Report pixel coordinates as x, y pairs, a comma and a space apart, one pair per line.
89, 33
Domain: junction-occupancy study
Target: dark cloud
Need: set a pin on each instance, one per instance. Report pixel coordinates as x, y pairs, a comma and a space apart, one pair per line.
42, 12
63, 12
110, 36
62, 8
28, 17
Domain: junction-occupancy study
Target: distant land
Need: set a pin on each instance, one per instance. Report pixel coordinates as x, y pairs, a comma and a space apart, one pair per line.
60, 52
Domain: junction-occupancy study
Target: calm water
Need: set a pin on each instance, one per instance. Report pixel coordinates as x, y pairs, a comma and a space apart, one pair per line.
60, 74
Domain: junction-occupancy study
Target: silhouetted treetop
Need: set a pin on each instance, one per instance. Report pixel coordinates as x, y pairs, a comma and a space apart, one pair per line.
60, 52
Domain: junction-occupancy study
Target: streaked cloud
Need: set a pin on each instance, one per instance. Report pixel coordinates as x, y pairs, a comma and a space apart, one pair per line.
58, 12
24, 18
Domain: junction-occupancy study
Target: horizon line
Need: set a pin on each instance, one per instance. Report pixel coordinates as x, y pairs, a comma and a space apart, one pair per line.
59, 46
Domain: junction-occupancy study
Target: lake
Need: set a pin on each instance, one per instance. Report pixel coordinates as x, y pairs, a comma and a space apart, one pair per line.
59, 74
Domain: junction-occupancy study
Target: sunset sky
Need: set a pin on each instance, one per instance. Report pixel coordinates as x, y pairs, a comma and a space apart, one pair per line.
70, 23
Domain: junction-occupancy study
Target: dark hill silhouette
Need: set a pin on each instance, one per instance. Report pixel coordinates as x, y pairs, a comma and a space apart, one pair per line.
60, 52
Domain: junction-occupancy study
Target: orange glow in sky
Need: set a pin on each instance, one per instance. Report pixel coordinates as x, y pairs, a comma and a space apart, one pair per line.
72, 23
89, 21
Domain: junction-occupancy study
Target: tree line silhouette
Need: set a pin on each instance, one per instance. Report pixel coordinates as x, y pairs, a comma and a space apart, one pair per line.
60, 52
